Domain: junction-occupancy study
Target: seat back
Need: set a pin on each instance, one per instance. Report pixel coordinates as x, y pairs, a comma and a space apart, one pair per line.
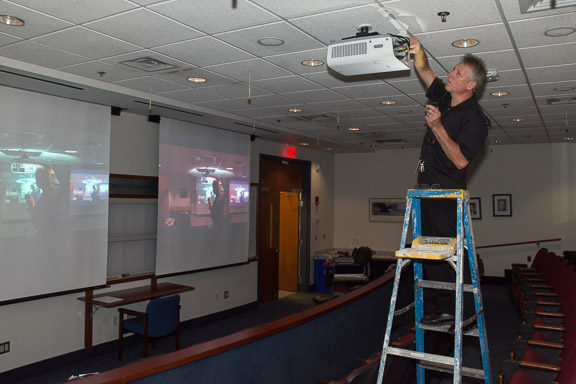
163, 316
521, 377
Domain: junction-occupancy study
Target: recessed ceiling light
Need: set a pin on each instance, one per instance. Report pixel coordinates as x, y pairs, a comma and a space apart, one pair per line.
353, 129
388, 102
568, 139
312, 63
518, 119
328, 149
304, 144
499, 93
70, 151
270, 41
564, 89
295, 110
372, 146
465, 43
11, 20
196, 79
560, 31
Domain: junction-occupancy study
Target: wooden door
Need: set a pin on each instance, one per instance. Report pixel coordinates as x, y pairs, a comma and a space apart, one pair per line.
288, 241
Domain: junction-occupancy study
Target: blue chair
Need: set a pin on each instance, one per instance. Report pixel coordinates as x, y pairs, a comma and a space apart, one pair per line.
161, 319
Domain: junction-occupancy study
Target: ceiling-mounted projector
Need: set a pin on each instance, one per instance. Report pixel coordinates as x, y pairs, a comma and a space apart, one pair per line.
369, 54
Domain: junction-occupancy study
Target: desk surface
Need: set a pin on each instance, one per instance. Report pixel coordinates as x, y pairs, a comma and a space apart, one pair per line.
135, 295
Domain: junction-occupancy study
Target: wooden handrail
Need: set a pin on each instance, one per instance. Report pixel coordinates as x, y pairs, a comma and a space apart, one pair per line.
519, 243
154, 365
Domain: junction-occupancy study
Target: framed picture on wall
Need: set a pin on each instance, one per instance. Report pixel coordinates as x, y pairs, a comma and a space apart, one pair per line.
502, 205
475, 208
387, 209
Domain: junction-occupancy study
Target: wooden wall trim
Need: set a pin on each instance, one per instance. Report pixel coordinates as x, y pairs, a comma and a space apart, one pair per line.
154, 365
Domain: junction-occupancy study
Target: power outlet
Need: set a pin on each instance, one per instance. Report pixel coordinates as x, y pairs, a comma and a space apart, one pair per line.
4, 347
226, 294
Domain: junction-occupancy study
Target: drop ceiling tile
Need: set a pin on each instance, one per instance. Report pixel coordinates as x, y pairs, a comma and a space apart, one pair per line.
530, 33
548, 55
266, 101
181, 75
39, 54
78, 11
462, 14
293, 61
111, 73
191, 96
547, 89
149, 84
329, 27
368, 91
492, 38
401, 101
247, 39
37, 24
331, 79
215, 16
236, 90
285, 85
86, 43
223, 105
298, 8
312, 96
204, 51
255, 69
143, 28
338, 105
6, 39
551, 73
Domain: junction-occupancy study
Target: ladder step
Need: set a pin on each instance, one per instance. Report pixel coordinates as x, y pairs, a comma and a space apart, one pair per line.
444, 285
435, 362
446, 328
429, 248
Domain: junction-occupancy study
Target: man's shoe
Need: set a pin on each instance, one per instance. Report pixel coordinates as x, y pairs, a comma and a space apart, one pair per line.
437, 319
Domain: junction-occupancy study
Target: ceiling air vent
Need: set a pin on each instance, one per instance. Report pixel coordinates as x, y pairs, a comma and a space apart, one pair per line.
527, 6
148, 64
562, 100
315, 117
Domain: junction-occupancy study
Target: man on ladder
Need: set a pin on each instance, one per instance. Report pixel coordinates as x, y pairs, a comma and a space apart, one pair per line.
457, 129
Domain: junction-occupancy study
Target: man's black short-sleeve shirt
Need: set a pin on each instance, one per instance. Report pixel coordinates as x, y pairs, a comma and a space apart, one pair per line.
465, 124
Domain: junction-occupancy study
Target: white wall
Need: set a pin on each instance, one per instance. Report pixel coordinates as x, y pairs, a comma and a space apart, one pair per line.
134, 151
541, 179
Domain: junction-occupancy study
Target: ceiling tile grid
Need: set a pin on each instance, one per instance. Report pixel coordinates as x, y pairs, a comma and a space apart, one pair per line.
248, 83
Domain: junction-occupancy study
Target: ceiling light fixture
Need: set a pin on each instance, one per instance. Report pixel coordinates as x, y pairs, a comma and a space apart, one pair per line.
560, 31
465, 43
353, 129
295, 110
304, 144
312, 63
11, 21
564, 89
196, 79
270, 41
388, 102
499, 93
518, 119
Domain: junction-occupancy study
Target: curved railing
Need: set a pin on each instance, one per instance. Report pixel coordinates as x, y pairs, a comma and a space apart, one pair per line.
320, 342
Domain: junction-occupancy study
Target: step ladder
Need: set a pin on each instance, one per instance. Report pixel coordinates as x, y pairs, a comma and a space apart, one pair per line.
439, 249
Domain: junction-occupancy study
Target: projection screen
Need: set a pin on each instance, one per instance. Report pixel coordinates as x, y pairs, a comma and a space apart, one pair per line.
54, 170
203, 198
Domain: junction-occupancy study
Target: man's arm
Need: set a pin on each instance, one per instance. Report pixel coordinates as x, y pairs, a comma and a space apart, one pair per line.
450, 147
421, 62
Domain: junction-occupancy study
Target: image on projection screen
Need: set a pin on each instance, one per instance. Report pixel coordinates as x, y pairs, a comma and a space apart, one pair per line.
203, 198
54, 172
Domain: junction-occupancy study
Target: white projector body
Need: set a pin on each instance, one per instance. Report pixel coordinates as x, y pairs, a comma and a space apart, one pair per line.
374, 54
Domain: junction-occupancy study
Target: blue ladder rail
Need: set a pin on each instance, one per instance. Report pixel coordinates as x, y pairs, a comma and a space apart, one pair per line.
439, 250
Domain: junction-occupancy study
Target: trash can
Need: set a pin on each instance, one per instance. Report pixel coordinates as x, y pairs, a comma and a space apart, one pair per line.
320, 274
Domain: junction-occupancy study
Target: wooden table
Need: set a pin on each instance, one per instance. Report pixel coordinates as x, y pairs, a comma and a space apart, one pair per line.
124, 297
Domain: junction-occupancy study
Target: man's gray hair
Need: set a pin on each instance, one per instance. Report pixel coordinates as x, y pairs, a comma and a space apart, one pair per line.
478, 72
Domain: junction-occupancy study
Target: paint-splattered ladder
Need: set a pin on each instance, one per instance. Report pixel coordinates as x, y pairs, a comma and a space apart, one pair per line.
439, 249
